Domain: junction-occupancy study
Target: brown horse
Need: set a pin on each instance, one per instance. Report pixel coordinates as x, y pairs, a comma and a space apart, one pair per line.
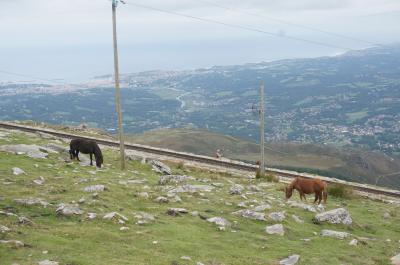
308, 186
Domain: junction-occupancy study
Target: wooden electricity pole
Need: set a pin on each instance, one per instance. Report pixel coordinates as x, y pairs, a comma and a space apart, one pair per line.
117, 88
262, 130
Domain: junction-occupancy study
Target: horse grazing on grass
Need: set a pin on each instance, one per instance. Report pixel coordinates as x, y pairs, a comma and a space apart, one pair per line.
308, 186
86, 147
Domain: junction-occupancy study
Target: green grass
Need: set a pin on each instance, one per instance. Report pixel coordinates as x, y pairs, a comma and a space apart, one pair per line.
76, 241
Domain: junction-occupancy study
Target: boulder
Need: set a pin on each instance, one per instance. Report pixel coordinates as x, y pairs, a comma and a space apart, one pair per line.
4, 229
262, 207
297, 219
68, 210
144, 218
95, 188
191, 189
47, 262
236, 189
175, 179
91, 216
17, 171
57, 148
13, 243
275, 230
353, 242
336, 216
219, 221
176, 211
291, 260
114, 216
277, 216
33, 151
160, 167
161, 199
334, 234
302, 205
31, 201
250, 214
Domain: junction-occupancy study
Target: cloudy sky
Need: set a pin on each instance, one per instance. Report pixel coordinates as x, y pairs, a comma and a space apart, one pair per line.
72, 39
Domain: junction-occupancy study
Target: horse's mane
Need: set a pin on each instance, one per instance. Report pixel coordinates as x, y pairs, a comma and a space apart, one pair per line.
97, 152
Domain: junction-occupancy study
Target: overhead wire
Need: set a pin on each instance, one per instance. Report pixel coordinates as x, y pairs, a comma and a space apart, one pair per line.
285, 22
237, 26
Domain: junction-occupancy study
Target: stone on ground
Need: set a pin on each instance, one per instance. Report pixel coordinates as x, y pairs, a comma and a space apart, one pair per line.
114, 216
353, 242
250, 214
277, 216
176, 211
291, 260
68, 210
17, 171
236, 189
13, 243
31, 201
32, 151
334, 234
336, 216
160, 167
4, 229
144, 218
175, 179
262, 207
47, 262
161, 199
192, 189
297, 219
95, 188
275, 230
302, 205
219, 221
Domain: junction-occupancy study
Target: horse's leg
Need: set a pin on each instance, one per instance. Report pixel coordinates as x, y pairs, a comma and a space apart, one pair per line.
91, 161
320, 198
77, 155
316, 197
301, 196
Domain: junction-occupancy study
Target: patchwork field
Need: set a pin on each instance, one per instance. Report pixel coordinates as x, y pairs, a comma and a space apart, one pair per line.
55, 212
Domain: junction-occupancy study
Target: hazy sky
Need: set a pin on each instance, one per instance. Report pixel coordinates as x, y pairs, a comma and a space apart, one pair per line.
72, 40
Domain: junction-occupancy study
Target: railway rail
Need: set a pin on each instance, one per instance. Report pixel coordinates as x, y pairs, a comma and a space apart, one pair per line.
231, 164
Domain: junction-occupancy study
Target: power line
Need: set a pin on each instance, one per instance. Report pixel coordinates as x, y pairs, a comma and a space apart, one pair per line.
281, 21
247, 28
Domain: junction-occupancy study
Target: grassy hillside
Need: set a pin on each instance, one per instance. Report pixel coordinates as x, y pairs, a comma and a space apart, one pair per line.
75, 240
349, 164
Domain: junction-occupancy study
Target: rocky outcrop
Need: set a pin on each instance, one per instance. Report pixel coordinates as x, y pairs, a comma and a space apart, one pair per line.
336, 216
275, 230
250, 214
334, 234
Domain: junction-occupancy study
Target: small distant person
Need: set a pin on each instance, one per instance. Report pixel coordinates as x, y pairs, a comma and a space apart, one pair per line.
87, 147
218, 154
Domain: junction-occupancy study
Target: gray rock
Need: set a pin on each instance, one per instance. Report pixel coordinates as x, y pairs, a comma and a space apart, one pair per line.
386, 215
33, 151
250, 214
95, 188
186, 258
68, 210
176, 211
395, 260
17, 171
13, 243
116, 217
175, 179
353, 242
236, 189
291, 260
336, 216
144, 218
302, 205
47, 262
91, 216
143, 195
275, 230
162, 199
4, 229
39, 181
277, 216
219, 221
31, 202
22, 220
242, 205
334, 234
297, 219
160, 167
262, 207
57, 148
192, 189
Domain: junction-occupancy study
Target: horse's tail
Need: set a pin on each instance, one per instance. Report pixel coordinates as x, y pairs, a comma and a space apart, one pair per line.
325, 193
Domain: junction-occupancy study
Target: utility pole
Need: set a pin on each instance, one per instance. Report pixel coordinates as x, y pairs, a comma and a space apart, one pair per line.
262, 130
117, 88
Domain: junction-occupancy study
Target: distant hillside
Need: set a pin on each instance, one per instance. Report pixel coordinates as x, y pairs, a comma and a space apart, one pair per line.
346, 100
345, 163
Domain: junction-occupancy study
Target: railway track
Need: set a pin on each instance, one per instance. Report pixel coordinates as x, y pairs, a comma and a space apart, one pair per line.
231, 164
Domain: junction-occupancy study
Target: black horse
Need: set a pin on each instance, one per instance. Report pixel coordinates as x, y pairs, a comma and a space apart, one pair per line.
86, 147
